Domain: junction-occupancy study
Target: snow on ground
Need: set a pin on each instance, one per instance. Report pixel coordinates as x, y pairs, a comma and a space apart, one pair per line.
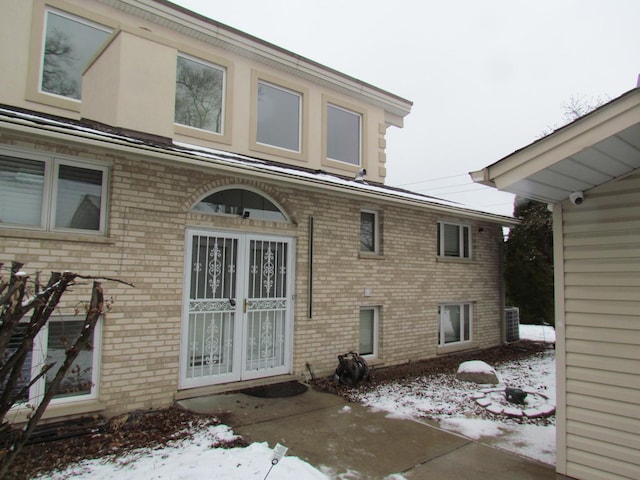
452, 404
538, 333
191, 459
440, 397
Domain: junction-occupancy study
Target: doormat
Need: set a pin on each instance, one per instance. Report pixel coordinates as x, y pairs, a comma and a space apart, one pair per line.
277, 390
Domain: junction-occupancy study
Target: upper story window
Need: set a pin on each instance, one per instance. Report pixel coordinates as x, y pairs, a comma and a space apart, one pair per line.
241, 202
200, 91
454, 240
69, 44
344, 135
279, 113
52, 193
369, 231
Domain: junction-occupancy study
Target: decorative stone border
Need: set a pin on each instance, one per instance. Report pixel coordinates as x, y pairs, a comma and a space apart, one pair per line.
493, 400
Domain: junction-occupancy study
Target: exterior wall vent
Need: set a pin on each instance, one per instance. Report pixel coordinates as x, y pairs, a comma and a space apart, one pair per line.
512, 318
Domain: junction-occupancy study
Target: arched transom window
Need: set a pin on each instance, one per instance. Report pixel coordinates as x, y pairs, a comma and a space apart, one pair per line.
242, 202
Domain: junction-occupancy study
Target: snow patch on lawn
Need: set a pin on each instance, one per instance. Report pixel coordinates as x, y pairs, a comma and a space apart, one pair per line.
193, 458
452, 403
538, 333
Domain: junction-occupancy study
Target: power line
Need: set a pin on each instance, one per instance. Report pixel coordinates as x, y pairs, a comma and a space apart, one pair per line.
447, 186
461, 191
432, 180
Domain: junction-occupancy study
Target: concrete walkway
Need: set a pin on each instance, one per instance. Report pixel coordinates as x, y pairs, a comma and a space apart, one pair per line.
349, 439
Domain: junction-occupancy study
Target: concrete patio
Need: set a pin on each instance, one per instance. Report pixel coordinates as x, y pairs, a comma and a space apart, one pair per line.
347, 438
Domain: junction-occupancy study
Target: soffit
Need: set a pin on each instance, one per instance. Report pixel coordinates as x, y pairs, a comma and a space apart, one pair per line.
593, 150
181, 20
600, 163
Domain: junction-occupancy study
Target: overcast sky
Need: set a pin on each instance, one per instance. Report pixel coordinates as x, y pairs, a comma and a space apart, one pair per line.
486, 77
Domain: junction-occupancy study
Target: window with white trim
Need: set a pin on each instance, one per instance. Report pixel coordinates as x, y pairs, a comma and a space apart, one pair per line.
49, 347
368, 332
279, 114
454, 240
51, 193
200, 90
369, 231
69, 44
344, 135
456, 323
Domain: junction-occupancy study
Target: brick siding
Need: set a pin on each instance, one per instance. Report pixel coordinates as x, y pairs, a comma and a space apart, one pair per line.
148, 216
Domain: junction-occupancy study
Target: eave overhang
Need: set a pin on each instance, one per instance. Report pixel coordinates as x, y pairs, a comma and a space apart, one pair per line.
194, 25
594, 149
36, 125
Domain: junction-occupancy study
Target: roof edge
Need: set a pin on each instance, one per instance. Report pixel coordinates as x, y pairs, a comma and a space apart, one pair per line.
230, 38
107, 137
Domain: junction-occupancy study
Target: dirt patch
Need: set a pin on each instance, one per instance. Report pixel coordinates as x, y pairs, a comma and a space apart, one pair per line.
123, 434
112, 439
445, 364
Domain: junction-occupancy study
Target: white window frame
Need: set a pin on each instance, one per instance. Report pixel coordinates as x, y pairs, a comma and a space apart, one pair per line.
376, 327
223, 107
39, 358
50, 189
376, 231
300, 102
360, 117
441, 323
462, 239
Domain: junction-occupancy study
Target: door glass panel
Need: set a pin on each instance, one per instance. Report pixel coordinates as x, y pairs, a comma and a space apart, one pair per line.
212, 306
210, 344
267, 305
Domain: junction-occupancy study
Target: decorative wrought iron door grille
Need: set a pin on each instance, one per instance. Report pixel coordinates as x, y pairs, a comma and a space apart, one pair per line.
238, 312
211, 306
266, 305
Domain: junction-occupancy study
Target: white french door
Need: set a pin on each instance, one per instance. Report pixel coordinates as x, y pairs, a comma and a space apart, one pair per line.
237, 316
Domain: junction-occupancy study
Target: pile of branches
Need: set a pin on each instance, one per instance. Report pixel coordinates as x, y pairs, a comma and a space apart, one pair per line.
22, 298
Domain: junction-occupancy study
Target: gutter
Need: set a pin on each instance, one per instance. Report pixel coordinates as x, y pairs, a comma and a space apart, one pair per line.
482, 177
275, 174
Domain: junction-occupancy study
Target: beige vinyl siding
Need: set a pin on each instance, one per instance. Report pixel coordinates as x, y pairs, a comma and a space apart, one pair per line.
601, 263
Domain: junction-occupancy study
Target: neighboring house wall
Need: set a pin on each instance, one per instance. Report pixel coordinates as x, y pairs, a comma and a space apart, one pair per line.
148, 216
598, 303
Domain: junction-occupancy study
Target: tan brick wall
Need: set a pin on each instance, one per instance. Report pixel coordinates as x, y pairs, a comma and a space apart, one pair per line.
148, 216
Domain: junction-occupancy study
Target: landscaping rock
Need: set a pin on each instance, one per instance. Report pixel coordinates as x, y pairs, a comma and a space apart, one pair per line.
477, 371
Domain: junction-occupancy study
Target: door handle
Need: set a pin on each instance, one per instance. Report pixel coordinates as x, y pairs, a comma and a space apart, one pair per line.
232, 301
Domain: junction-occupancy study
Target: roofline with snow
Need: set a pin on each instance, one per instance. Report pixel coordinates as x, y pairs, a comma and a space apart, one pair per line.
35, 123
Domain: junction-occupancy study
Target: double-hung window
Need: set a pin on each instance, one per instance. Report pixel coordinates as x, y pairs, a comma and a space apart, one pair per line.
200, 88
279, 115
454, 240
369, 236
455, 323
51, 193
49, 347
344, 135
69, 44
368, 332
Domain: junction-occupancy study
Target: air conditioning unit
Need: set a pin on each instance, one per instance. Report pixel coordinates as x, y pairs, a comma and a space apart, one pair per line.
512, 318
